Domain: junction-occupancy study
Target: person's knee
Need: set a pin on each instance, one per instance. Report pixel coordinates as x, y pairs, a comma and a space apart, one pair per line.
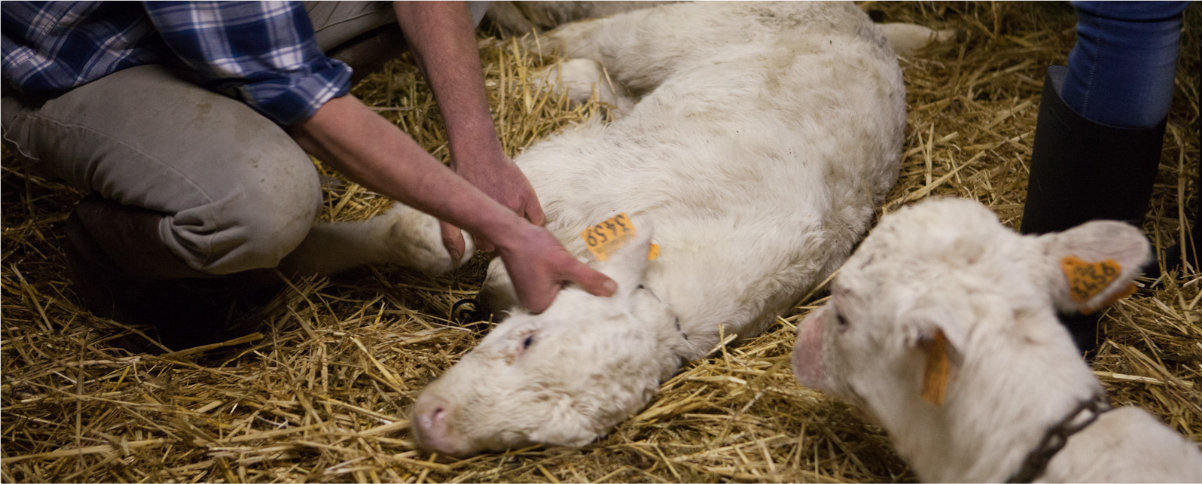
252, 227
270, 235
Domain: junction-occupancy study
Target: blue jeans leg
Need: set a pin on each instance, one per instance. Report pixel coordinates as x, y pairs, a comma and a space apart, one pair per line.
1120, 72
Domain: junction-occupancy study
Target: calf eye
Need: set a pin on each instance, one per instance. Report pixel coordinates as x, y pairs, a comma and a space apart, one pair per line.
528, 341
841, 320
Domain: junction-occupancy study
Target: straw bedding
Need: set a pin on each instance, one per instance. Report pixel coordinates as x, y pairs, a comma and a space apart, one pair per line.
320, 392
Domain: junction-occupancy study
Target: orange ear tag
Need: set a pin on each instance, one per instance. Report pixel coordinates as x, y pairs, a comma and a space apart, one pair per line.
609, 235
1086, 280
934, 377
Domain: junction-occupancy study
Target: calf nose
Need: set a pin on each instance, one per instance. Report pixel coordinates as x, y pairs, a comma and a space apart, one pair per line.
432, 427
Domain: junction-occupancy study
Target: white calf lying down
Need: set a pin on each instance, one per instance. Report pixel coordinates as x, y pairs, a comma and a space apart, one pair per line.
766, 135
524, 17
942, 327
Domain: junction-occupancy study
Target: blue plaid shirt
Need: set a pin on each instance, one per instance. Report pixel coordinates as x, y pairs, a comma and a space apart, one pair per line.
263, 53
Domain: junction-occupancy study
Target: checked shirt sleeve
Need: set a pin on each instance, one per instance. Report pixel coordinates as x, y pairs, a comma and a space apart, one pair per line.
261, 52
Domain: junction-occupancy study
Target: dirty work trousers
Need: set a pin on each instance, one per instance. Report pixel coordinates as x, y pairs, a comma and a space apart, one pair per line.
237, 192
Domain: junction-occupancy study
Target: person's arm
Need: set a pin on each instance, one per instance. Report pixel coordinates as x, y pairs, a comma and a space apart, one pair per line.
441, 37
304, 92
375, 153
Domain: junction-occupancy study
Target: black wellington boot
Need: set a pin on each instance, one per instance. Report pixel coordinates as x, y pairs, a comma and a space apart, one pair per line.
121, 270
1081, 171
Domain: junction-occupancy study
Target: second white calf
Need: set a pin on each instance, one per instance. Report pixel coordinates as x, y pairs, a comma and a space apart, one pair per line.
942, 327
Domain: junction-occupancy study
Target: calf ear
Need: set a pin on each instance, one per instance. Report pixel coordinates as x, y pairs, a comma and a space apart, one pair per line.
625, 263
938, 367
941, 354
1094, 264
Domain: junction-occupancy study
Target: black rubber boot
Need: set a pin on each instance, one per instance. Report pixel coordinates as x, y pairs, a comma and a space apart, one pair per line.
121, 270
1082, 171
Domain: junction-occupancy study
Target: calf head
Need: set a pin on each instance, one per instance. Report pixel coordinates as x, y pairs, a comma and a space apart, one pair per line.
942, 282
564, 376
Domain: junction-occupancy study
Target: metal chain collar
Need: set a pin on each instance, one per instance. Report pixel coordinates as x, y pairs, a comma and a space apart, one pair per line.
1057, 436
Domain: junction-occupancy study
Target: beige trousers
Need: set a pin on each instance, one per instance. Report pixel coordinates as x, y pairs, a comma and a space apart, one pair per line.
236, 191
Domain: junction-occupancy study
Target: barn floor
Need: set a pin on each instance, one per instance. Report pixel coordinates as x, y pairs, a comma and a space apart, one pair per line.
320, 391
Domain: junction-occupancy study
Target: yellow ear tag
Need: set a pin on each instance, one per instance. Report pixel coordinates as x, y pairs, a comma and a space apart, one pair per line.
934, 377
653, 252
607, 236
1086, 280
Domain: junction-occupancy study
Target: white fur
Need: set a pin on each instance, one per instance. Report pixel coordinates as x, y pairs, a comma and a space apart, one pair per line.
764, 136
582, 79
524, 17
401, 235
517, 18
949, 266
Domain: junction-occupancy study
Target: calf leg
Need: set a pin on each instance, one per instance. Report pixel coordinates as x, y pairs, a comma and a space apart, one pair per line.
581, 79
908, 38
634, 46
402, 236
497, 293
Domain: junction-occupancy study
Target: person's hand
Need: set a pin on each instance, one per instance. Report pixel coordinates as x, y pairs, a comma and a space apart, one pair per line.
372, 151
501, 179
539, 267
442, 38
